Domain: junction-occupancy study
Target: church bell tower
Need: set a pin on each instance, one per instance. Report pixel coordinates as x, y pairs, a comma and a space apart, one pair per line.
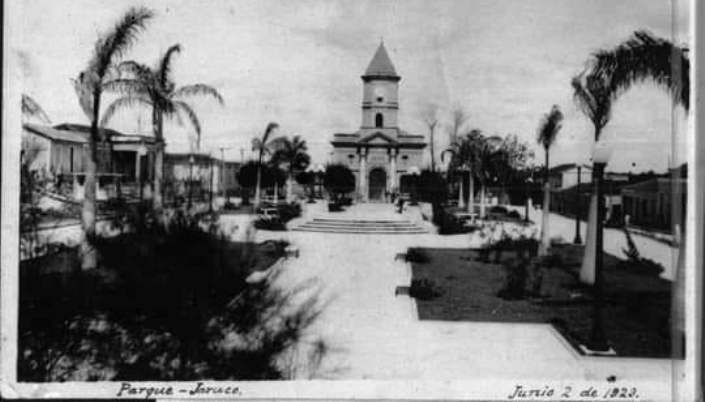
380, 97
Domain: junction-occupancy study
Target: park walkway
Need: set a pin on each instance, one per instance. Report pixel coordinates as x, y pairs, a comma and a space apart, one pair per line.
373, 334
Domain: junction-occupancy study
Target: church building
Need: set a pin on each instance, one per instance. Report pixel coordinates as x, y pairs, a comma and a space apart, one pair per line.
380, 153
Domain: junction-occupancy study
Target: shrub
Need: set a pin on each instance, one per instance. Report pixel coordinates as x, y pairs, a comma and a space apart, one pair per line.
424, 289
270, 224
514, 214
498, 209
288, 212
417, 255
514, 286
168, 302
641, 265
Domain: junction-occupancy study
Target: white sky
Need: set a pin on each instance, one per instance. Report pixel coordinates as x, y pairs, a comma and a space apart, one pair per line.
298, 63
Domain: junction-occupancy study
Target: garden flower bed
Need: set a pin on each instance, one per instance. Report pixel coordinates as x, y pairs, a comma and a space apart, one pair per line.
636, 314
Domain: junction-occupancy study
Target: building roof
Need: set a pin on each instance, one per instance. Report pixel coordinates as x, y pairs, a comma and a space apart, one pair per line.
662, 184
566, 166
78, 133
381, 65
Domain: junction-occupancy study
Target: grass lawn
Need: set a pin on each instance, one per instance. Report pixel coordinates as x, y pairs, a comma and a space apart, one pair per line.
636, 314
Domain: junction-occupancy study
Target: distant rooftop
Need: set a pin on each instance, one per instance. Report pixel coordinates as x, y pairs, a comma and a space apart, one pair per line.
79, 133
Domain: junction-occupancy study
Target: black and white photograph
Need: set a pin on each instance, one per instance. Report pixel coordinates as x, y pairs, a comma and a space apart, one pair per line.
455, 199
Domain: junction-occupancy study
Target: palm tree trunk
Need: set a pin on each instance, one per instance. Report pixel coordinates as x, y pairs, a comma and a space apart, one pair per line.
157, 122
471, 193
259, 180
461, 198
482, 199
276, 192
88, 252
545, 235
290, 187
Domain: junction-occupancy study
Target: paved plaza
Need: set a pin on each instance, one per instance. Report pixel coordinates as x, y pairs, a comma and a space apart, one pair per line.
373, 334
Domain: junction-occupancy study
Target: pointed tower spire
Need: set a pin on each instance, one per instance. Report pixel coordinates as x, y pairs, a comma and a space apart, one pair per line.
381, 65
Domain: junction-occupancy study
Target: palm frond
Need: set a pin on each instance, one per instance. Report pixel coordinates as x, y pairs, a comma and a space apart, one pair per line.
594, 97
112, 46
164, 69
84, 91
198, 89
549, 127
643, 57
135, 70
125, 102
183, 107
31, 108
126, 86
268, 131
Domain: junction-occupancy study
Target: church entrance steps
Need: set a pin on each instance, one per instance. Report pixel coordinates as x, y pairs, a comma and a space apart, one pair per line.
360, 226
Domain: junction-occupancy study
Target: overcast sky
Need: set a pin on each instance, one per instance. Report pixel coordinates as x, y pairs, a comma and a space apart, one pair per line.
299, 63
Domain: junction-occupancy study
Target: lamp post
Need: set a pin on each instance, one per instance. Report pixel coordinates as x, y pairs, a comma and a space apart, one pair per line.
190, 181
577, 239
141, 151
598, 340
210, 186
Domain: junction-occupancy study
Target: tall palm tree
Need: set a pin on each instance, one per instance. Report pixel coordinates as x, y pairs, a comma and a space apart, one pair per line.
262, 147
32, 109
645, 57
546, 135
154, 87
290, 153
89, 86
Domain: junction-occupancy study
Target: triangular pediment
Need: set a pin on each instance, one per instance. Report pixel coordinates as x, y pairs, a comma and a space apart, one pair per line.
378, 138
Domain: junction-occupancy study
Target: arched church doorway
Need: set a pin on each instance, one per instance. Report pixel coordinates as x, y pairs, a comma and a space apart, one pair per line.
378, 184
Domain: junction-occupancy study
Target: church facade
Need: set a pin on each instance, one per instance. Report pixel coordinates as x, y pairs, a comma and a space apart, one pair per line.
380, 153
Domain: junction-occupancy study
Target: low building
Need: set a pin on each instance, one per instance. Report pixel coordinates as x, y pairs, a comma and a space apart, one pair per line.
565, 176
650, 203
199, 174
60, 153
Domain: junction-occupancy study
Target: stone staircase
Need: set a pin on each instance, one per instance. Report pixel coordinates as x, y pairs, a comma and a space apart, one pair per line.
361, 226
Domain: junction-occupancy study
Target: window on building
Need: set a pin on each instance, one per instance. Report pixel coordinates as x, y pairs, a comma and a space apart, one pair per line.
405, 157
379, 120
71, 159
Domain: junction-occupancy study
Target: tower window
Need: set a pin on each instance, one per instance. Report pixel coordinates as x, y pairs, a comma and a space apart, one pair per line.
379, 120
380, 99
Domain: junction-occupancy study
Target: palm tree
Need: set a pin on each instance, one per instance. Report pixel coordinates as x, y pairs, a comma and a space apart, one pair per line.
290, 153
488, 150
466, 157
548, 131
32, 109
645, 57
89, 86
262, 147
155, 88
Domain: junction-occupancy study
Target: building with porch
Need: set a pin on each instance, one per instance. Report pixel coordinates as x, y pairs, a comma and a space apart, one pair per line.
59, 152
380, 153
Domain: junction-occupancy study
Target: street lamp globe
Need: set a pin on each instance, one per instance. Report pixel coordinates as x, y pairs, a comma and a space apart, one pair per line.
601, 152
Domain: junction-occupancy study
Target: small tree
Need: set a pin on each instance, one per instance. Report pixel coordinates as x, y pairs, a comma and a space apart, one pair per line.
306, 179
247, 178
338, 180
432, 188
